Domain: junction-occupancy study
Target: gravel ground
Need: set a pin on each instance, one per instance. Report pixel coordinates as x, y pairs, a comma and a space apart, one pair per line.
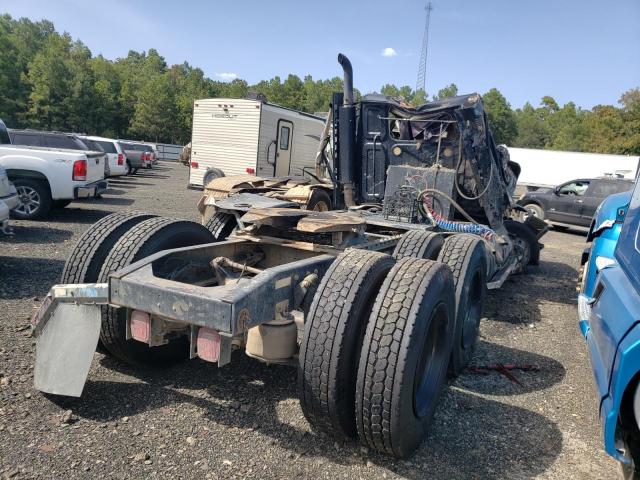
195, 420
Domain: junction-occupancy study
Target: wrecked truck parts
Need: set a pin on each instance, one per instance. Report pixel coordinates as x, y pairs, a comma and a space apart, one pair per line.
294, 286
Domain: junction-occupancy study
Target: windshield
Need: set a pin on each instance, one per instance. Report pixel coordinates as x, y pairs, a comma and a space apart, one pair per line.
64, 141
142, 148
108, 147
92, 145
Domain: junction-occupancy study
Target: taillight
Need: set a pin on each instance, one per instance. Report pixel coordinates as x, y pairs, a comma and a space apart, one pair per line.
120, 159
194, 164
251, 171
80, 170
143, 157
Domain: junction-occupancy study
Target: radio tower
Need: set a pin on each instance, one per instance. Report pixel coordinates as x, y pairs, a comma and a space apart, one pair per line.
422, 66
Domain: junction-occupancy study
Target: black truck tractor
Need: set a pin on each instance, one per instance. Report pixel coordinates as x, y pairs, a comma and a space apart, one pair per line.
374, 302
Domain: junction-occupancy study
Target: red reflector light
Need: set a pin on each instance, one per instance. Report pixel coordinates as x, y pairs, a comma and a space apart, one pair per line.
120, 159
140, 326
208, 344
251, 171
80, 170
194, 164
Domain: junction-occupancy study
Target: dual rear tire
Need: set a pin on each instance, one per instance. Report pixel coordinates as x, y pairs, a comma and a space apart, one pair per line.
115, 242
374, 369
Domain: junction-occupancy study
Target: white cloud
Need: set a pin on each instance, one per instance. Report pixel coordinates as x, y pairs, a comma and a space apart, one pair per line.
389, 52
227, 76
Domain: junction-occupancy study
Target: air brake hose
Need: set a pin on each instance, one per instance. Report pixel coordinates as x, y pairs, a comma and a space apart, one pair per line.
473, 228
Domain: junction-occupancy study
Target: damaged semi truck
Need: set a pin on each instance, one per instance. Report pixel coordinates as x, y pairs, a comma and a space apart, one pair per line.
374, 303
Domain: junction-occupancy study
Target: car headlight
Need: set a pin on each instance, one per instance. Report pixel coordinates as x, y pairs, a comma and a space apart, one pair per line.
604, 262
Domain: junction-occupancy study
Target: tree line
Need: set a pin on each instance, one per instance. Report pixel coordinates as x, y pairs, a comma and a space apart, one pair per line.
50, 81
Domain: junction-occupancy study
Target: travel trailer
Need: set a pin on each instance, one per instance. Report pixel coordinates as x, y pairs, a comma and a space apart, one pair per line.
236, 136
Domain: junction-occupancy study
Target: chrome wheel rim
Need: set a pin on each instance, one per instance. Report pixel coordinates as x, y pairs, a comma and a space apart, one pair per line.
29, 200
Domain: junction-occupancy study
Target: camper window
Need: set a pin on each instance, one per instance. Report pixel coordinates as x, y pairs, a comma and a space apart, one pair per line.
284, 138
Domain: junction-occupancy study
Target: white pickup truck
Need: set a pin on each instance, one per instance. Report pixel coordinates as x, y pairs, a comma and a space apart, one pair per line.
47, 178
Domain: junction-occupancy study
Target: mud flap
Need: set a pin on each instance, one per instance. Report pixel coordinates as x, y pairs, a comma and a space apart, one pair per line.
65, 348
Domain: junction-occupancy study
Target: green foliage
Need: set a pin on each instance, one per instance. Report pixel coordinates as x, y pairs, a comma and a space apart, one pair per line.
155, 112
49, 81
450, 90
501, 117
405, 93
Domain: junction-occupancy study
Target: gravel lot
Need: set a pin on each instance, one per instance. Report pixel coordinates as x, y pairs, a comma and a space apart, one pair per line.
195, 420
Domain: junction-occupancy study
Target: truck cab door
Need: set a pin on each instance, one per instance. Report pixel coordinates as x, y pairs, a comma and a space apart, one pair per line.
566, 204
283, 148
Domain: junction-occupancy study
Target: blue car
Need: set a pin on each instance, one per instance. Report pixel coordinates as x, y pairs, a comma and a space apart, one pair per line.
610, 321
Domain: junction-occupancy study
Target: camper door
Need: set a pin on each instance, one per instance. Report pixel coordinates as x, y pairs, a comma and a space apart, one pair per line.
283, 148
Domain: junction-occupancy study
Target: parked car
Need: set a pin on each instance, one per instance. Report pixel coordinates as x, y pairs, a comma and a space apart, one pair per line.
155, 151
135, 157
114, 151
8, 200
602, 239
95, 147
47, 177
612, 332
71, 141
573, 203
150, 157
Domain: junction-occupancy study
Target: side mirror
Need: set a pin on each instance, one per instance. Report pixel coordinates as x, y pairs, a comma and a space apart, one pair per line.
556, 190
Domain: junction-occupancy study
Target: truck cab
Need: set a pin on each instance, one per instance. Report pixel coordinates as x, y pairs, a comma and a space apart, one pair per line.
612, 332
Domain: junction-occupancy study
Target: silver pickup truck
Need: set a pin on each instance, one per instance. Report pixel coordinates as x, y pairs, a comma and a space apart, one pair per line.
137, 156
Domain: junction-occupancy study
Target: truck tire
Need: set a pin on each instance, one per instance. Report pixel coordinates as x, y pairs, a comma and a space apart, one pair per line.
146, 238
319, 201
535, 210
88, 255
527, 240
35, 199
334, 329
419, 244
211, 174
406, 349
221, 225
465, 256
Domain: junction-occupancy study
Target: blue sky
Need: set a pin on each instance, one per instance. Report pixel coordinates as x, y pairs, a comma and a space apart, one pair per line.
584, 51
